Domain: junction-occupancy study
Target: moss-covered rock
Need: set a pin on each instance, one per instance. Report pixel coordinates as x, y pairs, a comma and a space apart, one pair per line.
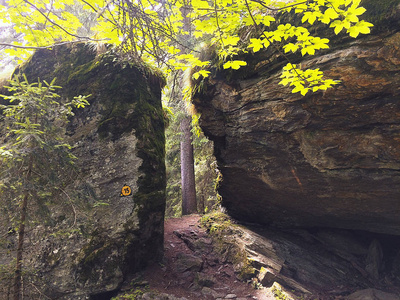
225, 235
119, 141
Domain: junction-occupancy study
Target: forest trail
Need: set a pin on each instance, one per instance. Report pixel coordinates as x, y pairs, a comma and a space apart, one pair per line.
192, 270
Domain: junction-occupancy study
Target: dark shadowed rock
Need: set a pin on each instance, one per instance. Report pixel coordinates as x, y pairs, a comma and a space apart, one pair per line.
313, 264
207, 280
159, 296
194, 241
374, 260
372, 294
188, 262
208, 292
98, 236
328, 159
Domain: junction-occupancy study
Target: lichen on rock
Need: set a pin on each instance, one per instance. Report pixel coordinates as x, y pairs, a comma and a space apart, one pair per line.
100, 236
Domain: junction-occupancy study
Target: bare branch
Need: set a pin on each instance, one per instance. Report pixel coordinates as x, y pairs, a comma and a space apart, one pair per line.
8, 45
279, 8
90, 5
72, 205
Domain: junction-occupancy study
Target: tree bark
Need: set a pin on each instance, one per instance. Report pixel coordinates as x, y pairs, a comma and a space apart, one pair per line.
189, 204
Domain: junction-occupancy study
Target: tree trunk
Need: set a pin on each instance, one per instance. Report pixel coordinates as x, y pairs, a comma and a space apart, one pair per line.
21, 235
189, 204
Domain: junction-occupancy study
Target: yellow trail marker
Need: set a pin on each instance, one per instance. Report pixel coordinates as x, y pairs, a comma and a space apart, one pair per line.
126, 191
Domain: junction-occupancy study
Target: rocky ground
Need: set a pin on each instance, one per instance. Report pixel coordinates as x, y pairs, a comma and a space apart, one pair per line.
220, 259
191, 269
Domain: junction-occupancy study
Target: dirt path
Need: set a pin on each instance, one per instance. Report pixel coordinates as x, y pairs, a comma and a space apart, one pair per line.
192, 270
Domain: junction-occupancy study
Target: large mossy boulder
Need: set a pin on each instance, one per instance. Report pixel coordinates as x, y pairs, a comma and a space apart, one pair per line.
329, 159
95, 234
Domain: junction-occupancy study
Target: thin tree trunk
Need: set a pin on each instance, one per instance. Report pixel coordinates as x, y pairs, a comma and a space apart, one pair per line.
21, 235
189, 204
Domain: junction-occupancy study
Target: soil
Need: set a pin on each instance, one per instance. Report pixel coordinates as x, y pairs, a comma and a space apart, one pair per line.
211, 278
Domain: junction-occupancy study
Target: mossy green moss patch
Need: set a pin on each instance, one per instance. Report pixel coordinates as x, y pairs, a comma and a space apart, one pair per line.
125, 102
379, 11
223, 231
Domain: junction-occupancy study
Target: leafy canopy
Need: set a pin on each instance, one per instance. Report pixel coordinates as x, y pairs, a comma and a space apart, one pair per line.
167, 33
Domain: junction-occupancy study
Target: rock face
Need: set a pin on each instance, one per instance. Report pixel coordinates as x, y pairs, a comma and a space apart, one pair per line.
309, 264
328, 159
98, 236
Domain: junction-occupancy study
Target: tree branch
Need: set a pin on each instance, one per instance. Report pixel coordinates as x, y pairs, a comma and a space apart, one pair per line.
57, 25
271, 43
277, 9
8, 45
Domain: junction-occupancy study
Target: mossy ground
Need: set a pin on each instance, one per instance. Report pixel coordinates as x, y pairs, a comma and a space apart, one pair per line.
223, 230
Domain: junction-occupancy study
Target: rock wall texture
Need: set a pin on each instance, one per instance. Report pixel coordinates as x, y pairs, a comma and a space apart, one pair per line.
95, 237
317, 263
328, 159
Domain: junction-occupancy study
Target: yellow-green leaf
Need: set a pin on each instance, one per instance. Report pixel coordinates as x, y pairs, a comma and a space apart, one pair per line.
234, 64
331, 13
231, 40
291, 47
256, 44
203, 73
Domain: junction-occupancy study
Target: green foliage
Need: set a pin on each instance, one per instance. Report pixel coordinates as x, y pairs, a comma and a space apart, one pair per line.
305, 81
6, 272
33, 120
172, 162
205, 163
204, 160
34, 155
206, 173
165, 34
67, 233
